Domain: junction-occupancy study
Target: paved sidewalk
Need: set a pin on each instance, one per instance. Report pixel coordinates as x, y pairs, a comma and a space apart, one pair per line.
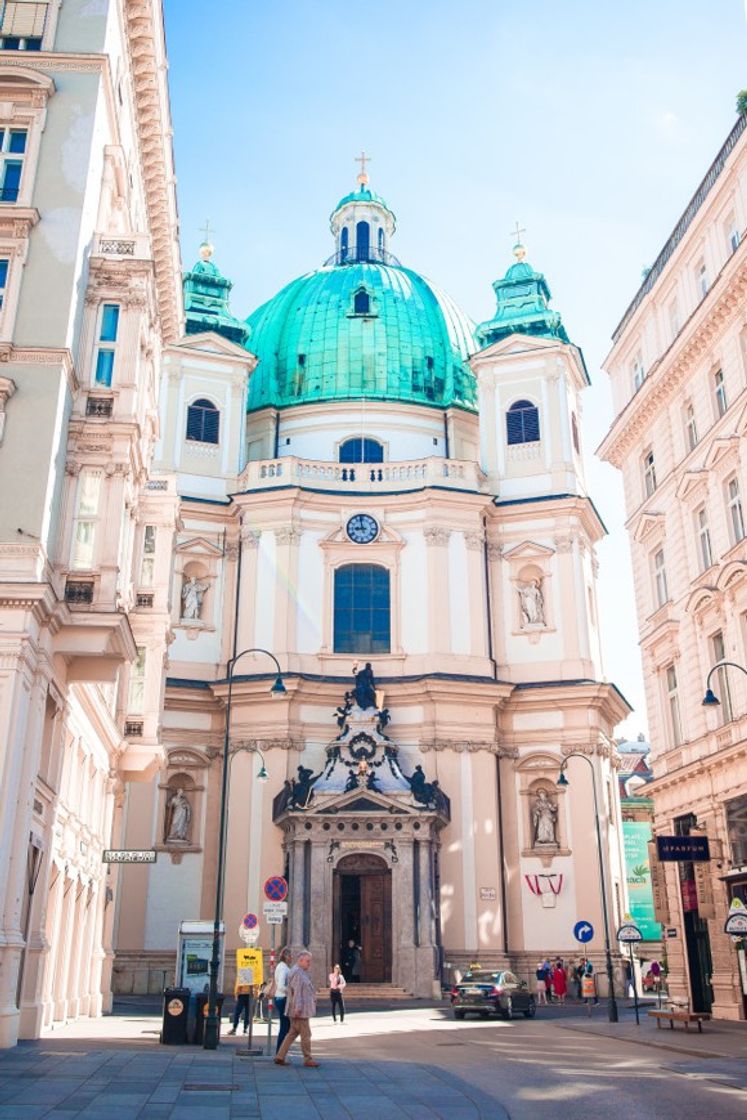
144, 1083
719, 1039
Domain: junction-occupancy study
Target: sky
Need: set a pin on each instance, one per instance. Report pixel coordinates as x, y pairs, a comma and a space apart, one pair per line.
590, 123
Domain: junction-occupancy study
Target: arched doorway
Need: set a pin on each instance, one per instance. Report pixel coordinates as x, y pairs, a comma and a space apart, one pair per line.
362, 901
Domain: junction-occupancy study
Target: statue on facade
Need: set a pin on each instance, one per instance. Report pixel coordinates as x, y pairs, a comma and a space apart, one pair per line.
178, 817
302, 790
544, 819
425, 793
193, 592
364, 692
532, 603
342, 711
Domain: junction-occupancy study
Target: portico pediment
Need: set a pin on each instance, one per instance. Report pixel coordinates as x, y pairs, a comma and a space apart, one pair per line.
356, 803
692, 483
722, 452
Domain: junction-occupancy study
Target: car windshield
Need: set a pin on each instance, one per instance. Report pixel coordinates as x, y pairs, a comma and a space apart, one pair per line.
481, 977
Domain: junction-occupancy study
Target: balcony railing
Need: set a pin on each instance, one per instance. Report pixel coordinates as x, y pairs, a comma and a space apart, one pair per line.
79, 591
357, 256
99, 406
457, 474
133, 729
144, 599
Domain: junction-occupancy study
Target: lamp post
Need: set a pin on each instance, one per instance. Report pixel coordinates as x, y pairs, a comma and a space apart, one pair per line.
711, 700
563, 781
212, 1022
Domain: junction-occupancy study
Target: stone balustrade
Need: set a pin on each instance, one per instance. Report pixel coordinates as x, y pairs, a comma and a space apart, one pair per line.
265, 474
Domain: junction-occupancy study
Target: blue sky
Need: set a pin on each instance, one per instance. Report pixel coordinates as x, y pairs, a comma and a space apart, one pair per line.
590, 123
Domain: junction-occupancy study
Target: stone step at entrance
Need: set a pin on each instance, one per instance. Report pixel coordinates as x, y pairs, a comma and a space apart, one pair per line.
383, 992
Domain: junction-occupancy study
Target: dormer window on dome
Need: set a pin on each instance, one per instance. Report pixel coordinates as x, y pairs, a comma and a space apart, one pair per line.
361, 302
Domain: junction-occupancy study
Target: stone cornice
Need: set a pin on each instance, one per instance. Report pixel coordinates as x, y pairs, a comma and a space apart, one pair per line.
41, 356
672, 368
144, 29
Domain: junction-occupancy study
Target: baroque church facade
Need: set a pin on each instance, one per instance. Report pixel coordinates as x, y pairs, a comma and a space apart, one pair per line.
373, 489
355, 477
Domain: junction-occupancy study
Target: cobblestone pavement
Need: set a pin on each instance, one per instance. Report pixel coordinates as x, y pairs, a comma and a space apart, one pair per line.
412, 1063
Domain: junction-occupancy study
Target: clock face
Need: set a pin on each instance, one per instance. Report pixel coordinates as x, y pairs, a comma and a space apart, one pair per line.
362, 528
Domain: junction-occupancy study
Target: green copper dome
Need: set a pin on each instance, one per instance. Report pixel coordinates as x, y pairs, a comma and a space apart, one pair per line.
363, 194
361, 328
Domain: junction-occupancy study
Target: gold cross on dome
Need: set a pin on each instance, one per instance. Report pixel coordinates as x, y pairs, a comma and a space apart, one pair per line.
207, 231
362, 159
519, 250
516, 233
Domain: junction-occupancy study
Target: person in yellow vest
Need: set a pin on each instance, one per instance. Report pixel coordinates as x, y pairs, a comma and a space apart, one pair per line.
243, 994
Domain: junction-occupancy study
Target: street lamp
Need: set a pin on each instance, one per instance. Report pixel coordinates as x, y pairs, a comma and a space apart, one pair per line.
212, 1022
711, 700
563, 781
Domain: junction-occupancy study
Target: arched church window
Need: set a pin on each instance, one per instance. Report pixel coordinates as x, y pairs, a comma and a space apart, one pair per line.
362, 609
522, 423
203, 422
344, 243
362, 241
361, 450
381, 241
361, 302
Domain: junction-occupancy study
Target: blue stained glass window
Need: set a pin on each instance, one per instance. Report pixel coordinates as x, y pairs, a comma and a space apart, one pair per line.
11, 180
109, 322
362, 609
344, 243
104, 367
359, 450
522, 423
3, 279
17, 140
203, 422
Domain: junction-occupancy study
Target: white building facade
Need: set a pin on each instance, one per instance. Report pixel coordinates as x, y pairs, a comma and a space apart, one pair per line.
678, 370
90, 292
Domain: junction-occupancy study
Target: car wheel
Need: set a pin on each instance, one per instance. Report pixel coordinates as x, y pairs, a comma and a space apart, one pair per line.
531, 1010
508, 1009
458, 1014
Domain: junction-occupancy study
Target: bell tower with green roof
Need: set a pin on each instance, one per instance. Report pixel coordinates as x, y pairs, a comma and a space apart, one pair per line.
206, 306
523, 305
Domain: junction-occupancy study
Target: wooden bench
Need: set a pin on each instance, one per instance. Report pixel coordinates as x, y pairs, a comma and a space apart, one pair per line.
680, 1015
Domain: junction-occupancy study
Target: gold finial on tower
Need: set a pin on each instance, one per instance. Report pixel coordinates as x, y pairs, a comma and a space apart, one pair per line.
519, 250
362, 159
206, 248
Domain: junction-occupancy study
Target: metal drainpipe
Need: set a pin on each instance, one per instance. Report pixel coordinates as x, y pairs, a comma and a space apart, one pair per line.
447, 452
276, 452
488, 603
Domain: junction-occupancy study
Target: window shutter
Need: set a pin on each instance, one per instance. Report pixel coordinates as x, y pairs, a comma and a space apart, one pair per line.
24, 19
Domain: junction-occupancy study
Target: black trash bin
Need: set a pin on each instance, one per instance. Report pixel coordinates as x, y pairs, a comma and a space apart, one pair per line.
175, 1013
201, 1016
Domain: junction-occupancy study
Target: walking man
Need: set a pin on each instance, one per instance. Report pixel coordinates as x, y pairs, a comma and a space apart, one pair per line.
301, 1006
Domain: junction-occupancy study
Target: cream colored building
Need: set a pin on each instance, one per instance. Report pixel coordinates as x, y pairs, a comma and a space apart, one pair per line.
368, 477
678, 370
90, 293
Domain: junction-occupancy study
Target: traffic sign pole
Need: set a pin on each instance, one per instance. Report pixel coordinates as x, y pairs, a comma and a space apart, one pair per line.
270, 1000
635, 985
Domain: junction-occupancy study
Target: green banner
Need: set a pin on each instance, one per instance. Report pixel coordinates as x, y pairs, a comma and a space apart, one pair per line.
636, 835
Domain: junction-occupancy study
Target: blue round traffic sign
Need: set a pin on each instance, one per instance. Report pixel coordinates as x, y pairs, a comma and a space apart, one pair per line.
276, 889
583, 931
250, 921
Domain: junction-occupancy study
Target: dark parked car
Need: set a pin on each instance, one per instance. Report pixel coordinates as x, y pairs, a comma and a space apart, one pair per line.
492, 993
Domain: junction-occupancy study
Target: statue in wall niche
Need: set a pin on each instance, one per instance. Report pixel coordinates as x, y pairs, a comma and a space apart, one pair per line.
532, 603
178, 817
193, 592
364, 692
544, 819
